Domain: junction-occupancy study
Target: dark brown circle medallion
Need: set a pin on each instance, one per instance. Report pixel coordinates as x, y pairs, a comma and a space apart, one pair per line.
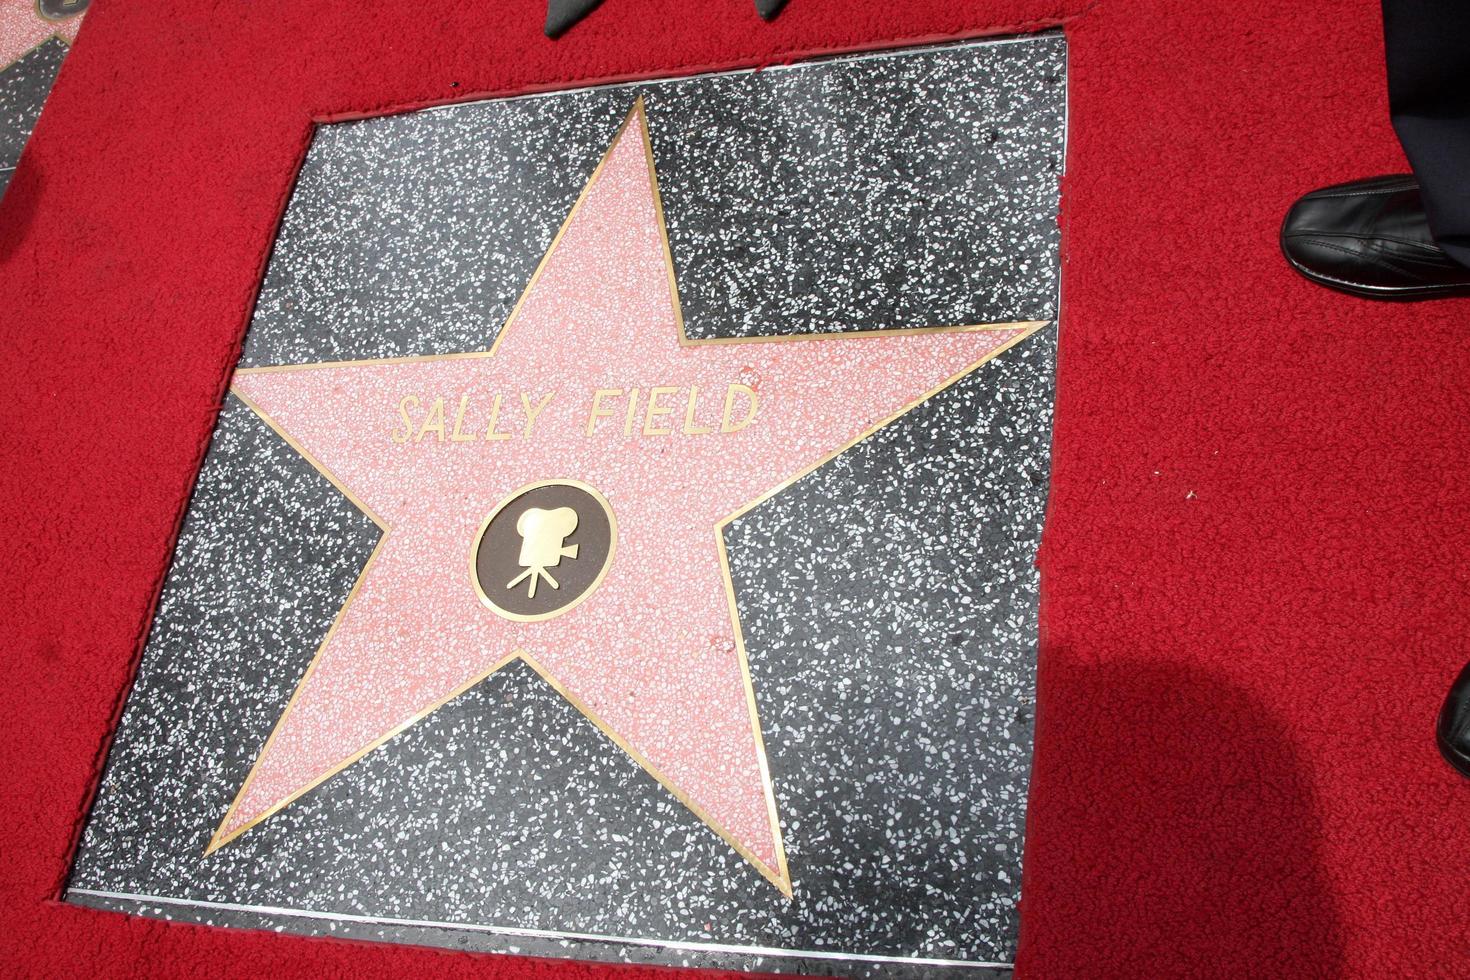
543, 550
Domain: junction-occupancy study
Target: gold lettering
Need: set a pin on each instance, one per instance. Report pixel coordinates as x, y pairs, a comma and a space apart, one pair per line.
726, 425
655, 410
598, 411
632, 411
650, 416
533, 413
490, 434
456, 435
690, 429
434, 423
407, 432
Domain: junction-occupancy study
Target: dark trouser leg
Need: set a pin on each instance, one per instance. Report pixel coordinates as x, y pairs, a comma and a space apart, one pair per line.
1428, 48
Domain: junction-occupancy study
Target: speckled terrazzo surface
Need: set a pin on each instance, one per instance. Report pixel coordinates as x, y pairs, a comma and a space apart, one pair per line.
888, 600
892, 191
24, 86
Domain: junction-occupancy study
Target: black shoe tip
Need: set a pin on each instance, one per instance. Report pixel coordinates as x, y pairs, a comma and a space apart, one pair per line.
768, 9
561, 15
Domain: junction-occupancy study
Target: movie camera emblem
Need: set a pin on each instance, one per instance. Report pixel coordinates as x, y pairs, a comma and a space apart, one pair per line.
543, 550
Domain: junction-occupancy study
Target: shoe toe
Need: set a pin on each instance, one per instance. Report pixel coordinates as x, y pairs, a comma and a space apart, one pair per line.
1312, 241
1453, 730
1326, 236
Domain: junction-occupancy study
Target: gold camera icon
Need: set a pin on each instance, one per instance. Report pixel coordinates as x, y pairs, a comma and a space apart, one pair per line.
543, 544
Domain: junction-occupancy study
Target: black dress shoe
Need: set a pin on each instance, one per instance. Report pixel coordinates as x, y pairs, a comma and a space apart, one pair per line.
1453, 731
1370, 238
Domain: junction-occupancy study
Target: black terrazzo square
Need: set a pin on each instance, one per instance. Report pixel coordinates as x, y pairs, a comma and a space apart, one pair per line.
888, 600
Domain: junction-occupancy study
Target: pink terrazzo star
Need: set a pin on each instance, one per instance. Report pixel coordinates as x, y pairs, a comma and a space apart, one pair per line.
654, 655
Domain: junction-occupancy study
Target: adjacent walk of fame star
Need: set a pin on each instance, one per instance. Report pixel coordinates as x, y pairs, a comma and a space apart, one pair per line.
591, 385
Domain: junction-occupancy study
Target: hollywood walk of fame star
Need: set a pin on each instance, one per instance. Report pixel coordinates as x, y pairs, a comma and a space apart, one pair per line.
591, 383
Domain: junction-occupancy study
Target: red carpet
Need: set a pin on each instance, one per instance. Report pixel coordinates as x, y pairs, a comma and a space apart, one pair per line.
1255, 569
